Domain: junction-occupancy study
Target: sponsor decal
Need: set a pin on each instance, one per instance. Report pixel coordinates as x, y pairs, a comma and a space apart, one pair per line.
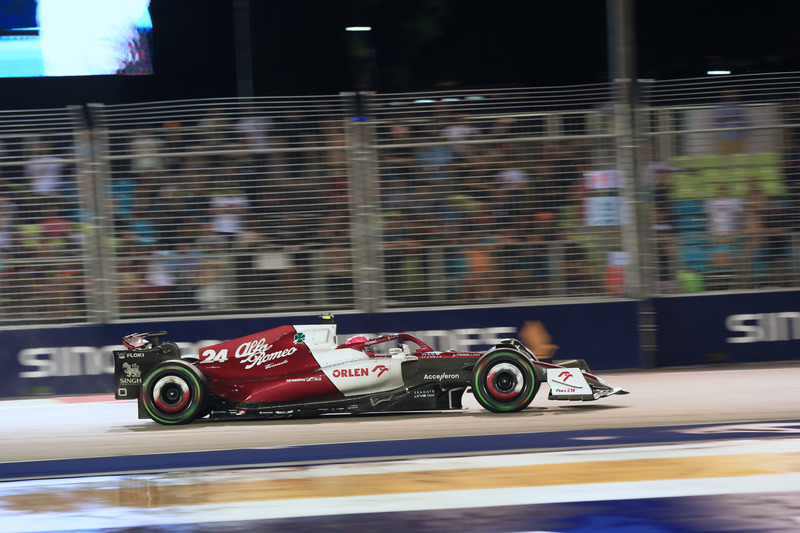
568, 390
131, 370
442, 376
256, 353
300, 338
304, 380
130, 381
351, 372
557, 379
565, 376
763, 327
424, 393
65, 361
359, 372
272, 365
130, 355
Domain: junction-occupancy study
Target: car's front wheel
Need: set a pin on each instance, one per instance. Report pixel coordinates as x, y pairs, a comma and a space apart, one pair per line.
504, 381
174, 392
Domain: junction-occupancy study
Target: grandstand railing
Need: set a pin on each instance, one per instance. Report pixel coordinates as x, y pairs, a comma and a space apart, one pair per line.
383, 201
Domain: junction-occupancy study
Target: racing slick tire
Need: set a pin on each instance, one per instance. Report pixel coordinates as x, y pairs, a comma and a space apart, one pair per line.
504, 381
174, 392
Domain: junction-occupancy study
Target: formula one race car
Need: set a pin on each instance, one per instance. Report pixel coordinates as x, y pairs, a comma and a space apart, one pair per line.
301, 371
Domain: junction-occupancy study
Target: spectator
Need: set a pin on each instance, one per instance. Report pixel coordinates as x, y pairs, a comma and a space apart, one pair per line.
665, 251
434, 160
724, 213
535, 254
130, 277
482, 281
173, 145
213, 272
791, 178
337, 267
254, 129
478, 182
228, 211
458, 131
44, 174
777, 242
510, 176
215, 132
8, 218
145, 148
577, 274
124, 196
753, 211
399, 172
731, 117
296, 234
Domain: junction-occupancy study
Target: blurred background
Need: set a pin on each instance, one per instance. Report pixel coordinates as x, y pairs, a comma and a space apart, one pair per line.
253, 160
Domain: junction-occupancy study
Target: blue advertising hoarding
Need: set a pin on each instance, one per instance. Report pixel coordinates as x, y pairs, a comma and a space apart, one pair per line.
728, 328
78, 359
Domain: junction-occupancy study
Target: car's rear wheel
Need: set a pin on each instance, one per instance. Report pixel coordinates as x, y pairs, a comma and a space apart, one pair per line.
504, 381
174, 392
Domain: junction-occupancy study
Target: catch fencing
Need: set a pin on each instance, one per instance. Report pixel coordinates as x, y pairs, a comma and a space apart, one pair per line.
374, 202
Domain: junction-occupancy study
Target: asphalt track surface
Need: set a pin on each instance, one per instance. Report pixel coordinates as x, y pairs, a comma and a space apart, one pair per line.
654, 451
665, 398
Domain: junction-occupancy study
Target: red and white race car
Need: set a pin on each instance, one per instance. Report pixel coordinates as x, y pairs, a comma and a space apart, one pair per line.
300, 371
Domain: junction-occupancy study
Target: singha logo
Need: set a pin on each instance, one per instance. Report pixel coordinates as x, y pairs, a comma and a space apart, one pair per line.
131, 370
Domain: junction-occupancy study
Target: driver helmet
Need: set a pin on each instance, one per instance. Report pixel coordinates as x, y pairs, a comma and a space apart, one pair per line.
357, 339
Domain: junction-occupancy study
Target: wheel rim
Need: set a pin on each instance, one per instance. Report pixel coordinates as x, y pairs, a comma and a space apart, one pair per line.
171, 394
504, 381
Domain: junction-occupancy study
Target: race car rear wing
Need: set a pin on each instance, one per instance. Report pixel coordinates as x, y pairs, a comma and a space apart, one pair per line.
131, 365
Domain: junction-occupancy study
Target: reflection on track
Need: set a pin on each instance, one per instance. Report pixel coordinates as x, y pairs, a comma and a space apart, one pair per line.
315, 454
628, 487
687, 451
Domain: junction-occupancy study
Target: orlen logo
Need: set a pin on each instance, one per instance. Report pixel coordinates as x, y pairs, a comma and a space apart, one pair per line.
565, 375
359, 372
351, 372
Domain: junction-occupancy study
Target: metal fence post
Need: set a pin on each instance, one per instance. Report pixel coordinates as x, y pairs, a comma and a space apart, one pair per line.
621, 40
364, 188
102, 255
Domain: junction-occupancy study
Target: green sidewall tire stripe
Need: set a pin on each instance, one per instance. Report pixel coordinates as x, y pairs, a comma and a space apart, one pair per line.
194, 386
478, 386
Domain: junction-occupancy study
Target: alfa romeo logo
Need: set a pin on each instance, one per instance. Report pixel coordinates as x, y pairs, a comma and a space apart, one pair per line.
299, 338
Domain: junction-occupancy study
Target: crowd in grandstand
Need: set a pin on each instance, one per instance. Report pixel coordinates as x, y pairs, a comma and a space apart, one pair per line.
256, 212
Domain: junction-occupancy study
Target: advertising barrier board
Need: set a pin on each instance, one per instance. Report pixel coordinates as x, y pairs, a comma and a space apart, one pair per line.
728, 328
78, 359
